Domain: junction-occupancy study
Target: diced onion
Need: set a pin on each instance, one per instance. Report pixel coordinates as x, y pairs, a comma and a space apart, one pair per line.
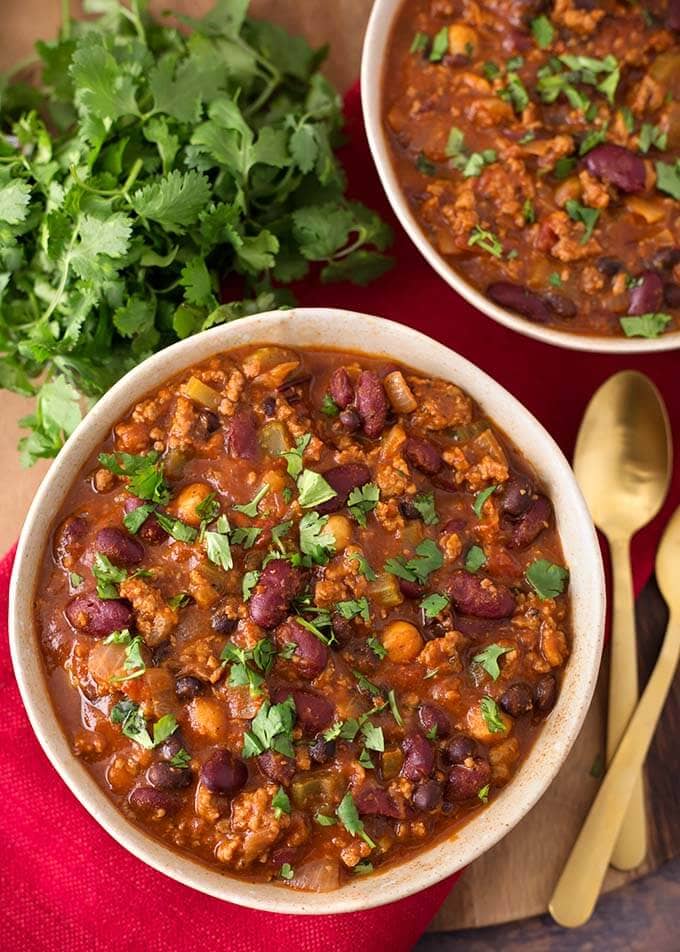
650, 211
266, 358
317, 875
399, 393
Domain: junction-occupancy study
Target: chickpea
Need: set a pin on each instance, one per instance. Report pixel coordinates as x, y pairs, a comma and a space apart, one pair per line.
183, 506
341, 529
463, 40
275, 480
402, 641
477, 726
569, 189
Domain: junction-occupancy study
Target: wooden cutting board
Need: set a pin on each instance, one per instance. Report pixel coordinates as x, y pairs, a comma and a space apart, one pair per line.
514, 880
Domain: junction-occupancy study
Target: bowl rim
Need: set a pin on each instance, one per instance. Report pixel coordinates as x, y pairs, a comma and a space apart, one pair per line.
310, 327
376, 39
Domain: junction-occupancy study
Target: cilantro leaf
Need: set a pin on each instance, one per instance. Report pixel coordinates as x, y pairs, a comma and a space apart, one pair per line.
645, 325
474, 559
293, 457
433, 605
348, 815
362, 500
176, 528
281, 803
488, 658
313, 489
315, 540
486, 240
668, 178
425, 505
250, 508
394, 707
492, 715
271, 729
377, 647
364, 567
144, 474
543, 31
108, 576
588, 216
328, 406
481, 498
547, 579
428, 559
350, 609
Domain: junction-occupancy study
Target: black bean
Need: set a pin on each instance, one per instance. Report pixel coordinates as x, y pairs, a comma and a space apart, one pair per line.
269, 406
517, 699
545, 693
321, 750
172, 746
223, 773
223, 623
164, 776
609, 266
408, 510
427, 795
188, 687
351, 420
459, 748
516, 495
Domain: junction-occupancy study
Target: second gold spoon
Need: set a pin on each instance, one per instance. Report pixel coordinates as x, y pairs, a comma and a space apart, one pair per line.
622, 463
579, 885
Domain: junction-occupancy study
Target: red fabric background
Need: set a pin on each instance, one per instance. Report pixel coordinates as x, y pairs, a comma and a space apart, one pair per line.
65, 884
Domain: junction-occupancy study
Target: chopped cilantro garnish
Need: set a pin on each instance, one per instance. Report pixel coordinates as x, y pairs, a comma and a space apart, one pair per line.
281, 803
454, 143
492, 715
476, 161
377, 647
135, 519
488, 658
592, 139
324, 820
428, 558
373, 736
424, 504
348, 815
328, 406
645, 325
365, 760
133, 725
163, 728
315, 630
242, 660
419, 43
246, 536
424, 165
668, 178
181, 759
278, 532
364, 567
486, 240
440, 45
475, 558
430, 673
248, 583
286, 872
434, 605
271, 729
363, 868
144, 474
313, 489
365, 685
394, 707
176, 528
628, 118
481, 498
564, 167
316, 540
528, 212
652, 136
483, 794
515, 92
353, 607
108, 576
555, 280
490, 70
217, 546
362, 500
293, 458
134, 663
250, 508
75, 579
209, 509
588, 217
546, 578
543, 31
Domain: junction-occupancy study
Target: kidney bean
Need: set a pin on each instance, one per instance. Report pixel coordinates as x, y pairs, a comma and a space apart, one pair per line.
410, 589
616, 165
343, 479
315, 713
609, 266
516, 41
673, 15
340, 387
517, 298
342, 628
311, 655
479, 596
517, 699
459, 748
97, 616
431, 716
70, 533
164, 776
351, 420
418, 757
516, 495
562, 305
647, 296
223, 623
374, 801
241, 436
172, 746
530, 524
427, 795
277, 586
671, 294
277, 767
545, 693
423, 455
153, 804
465, 781
371, 403
223, 773
188, 687
150, 530
118, 546
321, 750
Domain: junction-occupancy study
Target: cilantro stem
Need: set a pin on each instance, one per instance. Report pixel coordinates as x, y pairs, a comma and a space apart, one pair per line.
134, 17
65, 19
59, 293
271, 86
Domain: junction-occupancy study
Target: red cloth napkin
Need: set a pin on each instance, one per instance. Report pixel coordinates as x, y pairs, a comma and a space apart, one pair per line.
66, 884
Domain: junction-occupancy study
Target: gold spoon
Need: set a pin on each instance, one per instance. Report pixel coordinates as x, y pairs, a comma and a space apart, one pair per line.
579, 885
622, 462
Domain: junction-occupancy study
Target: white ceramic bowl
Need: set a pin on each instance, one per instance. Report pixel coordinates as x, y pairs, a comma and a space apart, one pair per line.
339, 329
373, 62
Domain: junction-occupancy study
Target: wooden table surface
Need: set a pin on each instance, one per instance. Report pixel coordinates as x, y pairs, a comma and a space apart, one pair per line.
512, 881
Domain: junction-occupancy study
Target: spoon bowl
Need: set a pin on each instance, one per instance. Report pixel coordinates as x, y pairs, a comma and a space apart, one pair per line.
622, 459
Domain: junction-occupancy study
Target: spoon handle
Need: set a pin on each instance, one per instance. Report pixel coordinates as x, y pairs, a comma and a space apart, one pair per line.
579, 885
631, 845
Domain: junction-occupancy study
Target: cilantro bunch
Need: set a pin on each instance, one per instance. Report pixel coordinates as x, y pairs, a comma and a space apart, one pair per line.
148, 168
